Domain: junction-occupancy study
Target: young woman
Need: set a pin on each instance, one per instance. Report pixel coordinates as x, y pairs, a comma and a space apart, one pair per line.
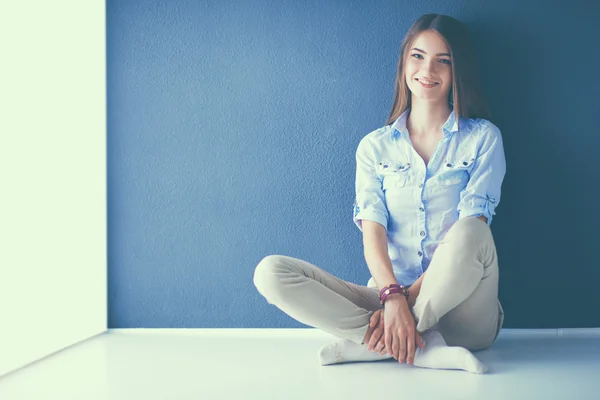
427, 185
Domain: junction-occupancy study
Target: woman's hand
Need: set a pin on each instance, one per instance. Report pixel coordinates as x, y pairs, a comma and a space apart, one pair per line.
400, 334
376, 342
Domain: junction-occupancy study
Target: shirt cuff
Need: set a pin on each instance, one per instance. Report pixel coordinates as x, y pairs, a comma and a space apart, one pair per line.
369, 214
477, 207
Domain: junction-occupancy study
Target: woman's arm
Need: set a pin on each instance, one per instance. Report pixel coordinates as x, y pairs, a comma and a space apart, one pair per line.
481, 196
371, 215
376, 254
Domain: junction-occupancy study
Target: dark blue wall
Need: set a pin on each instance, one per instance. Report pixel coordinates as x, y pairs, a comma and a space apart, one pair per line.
232, 129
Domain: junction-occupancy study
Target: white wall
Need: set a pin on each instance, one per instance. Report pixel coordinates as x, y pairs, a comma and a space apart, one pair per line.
52, 176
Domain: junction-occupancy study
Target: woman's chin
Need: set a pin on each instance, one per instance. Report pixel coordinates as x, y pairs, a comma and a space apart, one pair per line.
421, 94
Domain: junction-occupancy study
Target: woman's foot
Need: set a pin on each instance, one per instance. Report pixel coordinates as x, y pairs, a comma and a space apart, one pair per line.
344, 350
436, 354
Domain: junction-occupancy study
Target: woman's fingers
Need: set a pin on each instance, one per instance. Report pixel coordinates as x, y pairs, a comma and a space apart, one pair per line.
401, 347
374, 319
376, 336
377, 324
396, 343
388, 341
410, 348
419, 341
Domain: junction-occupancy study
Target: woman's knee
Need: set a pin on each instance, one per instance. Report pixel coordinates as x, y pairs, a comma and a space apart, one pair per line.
469, 230
265, 273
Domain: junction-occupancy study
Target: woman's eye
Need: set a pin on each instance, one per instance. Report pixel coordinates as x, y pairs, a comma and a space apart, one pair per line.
443, 60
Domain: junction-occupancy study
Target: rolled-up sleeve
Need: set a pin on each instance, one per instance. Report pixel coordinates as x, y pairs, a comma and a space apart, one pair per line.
481, 196
369, 202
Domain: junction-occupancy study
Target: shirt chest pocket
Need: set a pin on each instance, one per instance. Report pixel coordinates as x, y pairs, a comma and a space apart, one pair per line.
393, 175
456, 171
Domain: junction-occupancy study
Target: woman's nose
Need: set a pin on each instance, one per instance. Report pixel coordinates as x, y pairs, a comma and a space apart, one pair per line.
429, 67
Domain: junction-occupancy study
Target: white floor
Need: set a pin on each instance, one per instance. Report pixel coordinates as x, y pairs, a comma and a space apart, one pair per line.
282, 364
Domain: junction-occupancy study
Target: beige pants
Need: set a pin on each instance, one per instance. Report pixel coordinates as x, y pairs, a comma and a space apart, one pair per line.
458, 296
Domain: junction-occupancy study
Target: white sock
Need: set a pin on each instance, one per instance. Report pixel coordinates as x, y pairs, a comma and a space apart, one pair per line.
436, 354
344, 350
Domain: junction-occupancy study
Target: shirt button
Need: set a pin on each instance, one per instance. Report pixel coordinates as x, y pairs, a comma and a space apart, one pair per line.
420, 254
421, 209
422, 233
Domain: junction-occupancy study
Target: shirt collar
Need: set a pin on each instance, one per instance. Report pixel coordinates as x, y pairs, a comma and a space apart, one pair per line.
449, 127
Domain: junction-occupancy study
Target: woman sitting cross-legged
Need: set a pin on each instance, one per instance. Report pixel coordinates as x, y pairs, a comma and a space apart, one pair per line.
427, 186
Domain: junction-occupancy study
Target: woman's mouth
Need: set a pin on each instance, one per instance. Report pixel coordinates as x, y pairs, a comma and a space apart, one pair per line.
427, 85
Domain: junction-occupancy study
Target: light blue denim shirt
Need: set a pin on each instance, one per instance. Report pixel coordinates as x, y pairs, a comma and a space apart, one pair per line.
418, 203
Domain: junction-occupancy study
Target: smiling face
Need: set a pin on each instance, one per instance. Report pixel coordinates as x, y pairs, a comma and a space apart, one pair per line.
428, 68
